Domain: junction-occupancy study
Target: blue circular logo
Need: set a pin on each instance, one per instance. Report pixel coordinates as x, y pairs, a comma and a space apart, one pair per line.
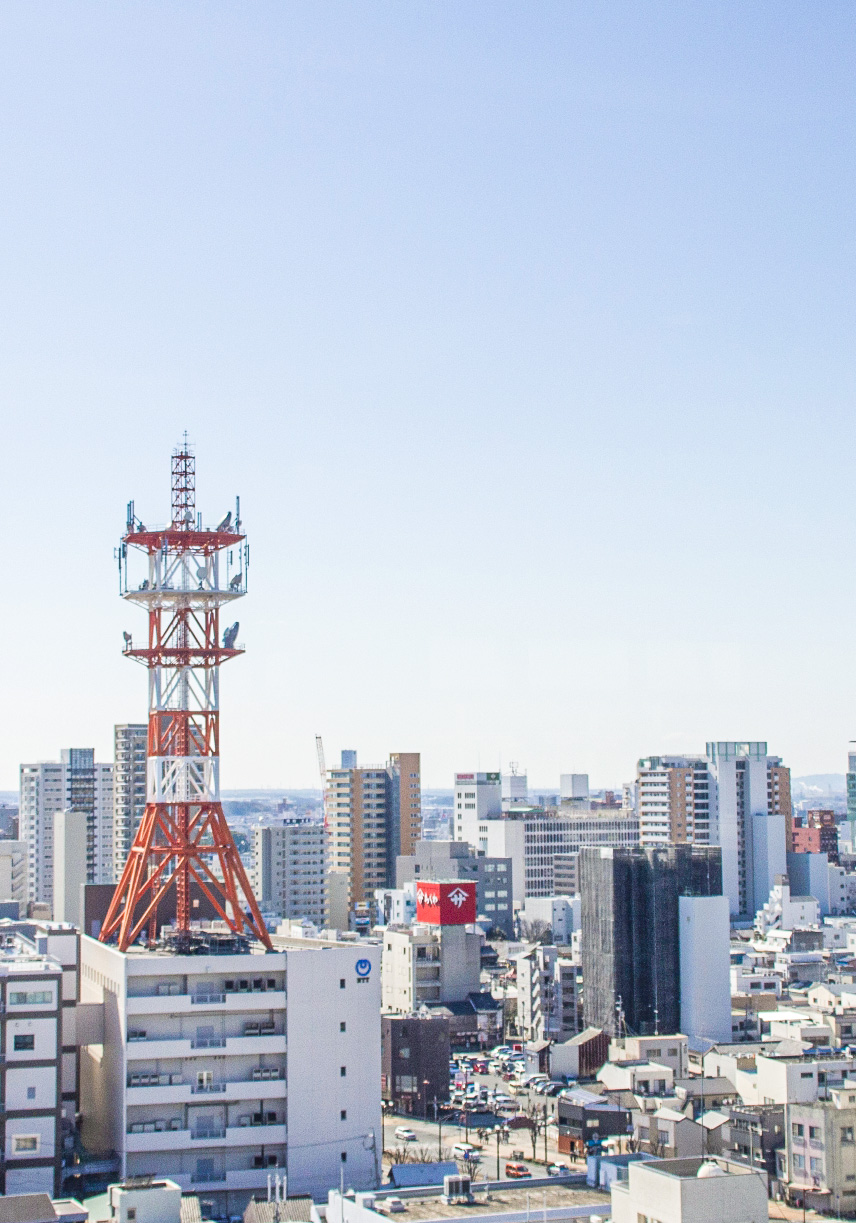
363, 967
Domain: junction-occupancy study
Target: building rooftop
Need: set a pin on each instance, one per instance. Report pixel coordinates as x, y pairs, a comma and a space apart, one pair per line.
555, 1199
689, 1169
38, 1208
292, 1210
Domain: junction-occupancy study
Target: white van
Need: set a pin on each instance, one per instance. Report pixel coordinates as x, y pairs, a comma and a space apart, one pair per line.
466, 1150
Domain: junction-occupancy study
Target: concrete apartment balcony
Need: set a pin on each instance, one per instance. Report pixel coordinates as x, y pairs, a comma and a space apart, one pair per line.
186, 1093
160, 1140
151, 1047
203, 1139
255, 1135
234, 1002
234, 1178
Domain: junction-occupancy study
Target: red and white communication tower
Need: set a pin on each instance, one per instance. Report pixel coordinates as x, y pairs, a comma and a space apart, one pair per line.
183, 838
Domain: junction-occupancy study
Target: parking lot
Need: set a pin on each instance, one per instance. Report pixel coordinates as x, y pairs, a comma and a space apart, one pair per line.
436, 1138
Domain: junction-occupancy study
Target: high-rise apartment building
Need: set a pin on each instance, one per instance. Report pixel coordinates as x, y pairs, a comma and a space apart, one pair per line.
736, 796
405, 794
674, 800
129, 788
75, 783
289, 861
373, 814
631, 932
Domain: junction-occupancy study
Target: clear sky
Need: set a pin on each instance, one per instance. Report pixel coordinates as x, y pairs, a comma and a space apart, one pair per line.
524, 330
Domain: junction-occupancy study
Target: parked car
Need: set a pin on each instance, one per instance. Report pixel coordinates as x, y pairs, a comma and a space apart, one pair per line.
466, 1150
516, 1171
557, 1169
403, 1134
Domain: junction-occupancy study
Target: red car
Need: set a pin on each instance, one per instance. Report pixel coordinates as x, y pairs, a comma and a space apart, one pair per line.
516, 1171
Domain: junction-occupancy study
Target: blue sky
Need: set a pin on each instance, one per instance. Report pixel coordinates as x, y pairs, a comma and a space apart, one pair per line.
524, 330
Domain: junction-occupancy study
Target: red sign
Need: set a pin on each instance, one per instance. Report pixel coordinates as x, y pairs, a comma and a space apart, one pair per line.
446, 904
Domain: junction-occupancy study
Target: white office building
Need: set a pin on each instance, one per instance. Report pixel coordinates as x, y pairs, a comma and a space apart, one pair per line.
478, 796
289, 868
533, 837
216, 1070
75, 783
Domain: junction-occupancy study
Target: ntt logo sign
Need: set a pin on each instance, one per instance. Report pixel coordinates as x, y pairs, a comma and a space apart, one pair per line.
363, 968
446, 904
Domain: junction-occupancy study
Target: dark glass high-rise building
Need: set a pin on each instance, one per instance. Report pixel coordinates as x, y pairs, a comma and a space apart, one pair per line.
630, 944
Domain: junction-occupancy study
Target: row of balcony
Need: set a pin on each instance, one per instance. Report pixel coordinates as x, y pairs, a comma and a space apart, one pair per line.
214, 1136
151, 1047
180, 1092
183, 1003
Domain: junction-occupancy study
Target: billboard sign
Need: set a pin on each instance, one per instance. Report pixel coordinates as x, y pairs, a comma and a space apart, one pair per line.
446, 904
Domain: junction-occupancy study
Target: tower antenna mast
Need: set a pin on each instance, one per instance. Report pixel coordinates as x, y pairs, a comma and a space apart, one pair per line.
183, 840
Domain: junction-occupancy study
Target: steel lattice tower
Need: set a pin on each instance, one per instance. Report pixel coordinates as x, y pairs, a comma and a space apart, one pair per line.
183, 837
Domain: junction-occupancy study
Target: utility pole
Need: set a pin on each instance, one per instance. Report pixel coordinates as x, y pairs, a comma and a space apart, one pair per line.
438, 1118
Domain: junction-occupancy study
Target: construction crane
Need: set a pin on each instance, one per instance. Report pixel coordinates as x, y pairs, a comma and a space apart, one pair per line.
322, 769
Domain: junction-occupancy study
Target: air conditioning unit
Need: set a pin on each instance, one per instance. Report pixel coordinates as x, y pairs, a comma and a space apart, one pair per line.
456, 1187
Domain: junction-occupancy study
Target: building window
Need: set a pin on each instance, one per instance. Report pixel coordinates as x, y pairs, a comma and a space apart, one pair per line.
23, 1042
814, 1131
25, 1144
344, 1157
847, 1133
816, 1164
30, 998
31, 1095
799, 1162
342, 1071
343, 1115
797, 1130
342, 1026
341, 983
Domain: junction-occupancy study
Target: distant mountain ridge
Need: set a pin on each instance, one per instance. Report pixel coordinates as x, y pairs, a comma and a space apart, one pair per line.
819, 783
